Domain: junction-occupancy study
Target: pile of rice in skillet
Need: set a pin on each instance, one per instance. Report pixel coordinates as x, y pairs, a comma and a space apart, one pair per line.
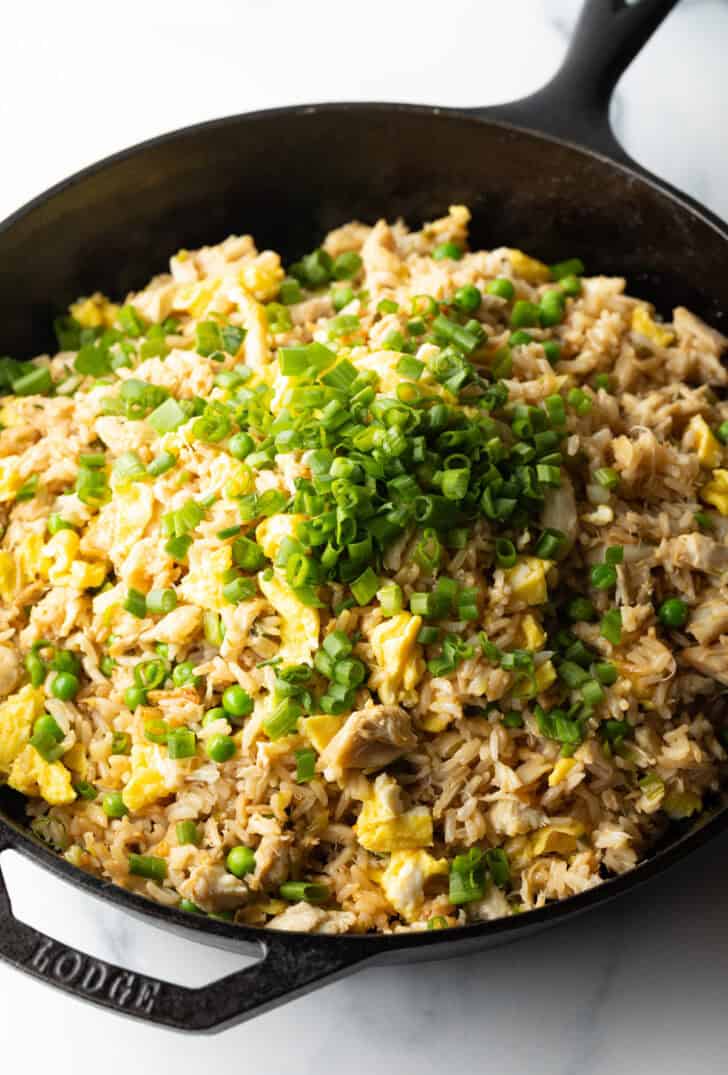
384, 592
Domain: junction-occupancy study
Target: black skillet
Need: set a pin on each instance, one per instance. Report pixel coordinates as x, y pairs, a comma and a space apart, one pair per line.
287, 176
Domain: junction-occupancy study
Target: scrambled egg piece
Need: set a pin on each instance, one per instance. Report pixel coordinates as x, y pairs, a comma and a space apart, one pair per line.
559, 838
257, 351
529, 268
18, 714
271, 533
262, 276
404, 880
527, 579
707, 445
436, 722
30, 557
129, 512
321, 729
9, 576
61, 550
87, 576
203, 584
10, 479
715, 491
153, 776
33, 775
299, 623
398, 657
645, 325
533, 634
76, 760
380, 827
195, 298
94, 311
561, 770
59, 560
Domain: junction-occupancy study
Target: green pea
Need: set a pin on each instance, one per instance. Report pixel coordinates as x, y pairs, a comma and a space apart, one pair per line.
36, 669
502, 288
525, 314
240, 860
468, 298
217, 713
65, 686
236, 701
113, 805
447, 250
552, 308
220, 748
135, 696
673, 612
183, 675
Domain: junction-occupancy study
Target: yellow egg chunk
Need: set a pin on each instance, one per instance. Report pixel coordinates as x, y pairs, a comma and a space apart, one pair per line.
257, 348
557, 839
410, 830
380, 827
153, 776
533, 634
274, 530
404, 880
33, 775
60, 551
262, 277
529, 268
203, 584
31, 558
87, 576
527, 580
18, 713
707, 445
561, 770
10, 479
76, 760
321, 729
645, 325
94, 312
299, 623
398, 657
715, 492
10, 580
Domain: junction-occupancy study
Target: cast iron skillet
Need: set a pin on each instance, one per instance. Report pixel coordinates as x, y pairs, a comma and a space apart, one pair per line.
288, 176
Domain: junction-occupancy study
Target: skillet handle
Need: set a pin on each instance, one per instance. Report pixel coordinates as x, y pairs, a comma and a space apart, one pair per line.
574, 105
290, 966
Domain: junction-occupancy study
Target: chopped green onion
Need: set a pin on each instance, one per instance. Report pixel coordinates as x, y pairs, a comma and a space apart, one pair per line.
467, 877
187, 833
160, 602
611, 626
304, 890
305, 765
151, 867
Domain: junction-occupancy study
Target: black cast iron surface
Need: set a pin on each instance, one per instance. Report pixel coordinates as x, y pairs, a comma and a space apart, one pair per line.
288, 176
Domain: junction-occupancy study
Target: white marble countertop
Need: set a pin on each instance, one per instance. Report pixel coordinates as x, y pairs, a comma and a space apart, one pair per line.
638, 987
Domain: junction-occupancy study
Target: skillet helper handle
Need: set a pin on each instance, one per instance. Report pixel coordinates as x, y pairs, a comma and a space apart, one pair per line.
574, 105
286, 970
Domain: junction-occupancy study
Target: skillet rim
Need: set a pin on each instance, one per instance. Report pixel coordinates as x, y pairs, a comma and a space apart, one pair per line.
14, 837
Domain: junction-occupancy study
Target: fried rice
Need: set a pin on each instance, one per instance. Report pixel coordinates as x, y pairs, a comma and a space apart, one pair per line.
388, 593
